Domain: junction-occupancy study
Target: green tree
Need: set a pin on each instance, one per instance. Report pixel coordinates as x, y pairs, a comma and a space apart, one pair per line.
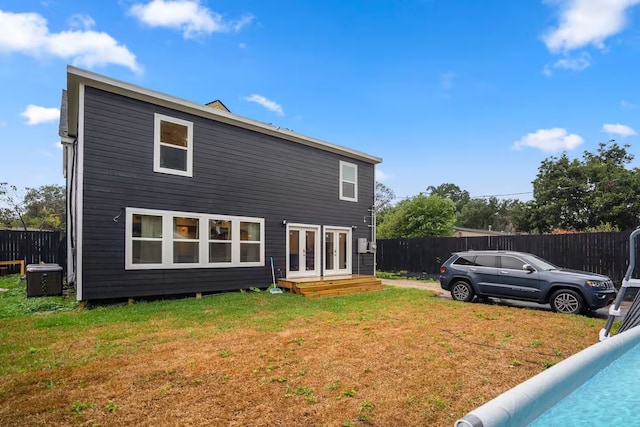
419, 216
585, 194
526, 217
452, 192
41, 208
491, 213
384, 196
45, 207
383, 203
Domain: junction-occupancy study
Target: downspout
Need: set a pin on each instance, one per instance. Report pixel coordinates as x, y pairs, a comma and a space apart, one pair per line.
374, 245
69, 145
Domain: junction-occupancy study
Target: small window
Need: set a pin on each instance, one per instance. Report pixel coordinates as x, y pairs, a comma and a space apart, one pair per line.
511, 263
186, 243
173, 146
464, 260
249, 241
486, 260
348, 181
219, 241
146, 239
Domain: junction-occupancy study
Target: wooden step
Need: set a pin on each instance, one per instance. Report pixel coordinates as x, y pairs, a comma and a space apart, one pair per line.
289, 284
320, 286
332, 286
344, 291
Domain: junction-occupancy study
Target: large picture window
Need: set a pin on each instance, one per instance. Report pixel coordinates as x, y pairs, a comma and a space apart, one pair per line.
348, 181
165, 239
173, 146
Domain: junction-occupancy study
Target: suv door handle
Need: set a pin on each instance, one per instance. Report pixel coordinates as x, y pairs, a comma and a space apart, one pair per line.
504, 272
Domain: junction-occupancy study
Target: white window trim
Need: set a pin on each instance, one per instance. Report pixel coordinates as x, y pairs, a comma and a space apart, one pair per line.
167, 240
157, 118
342, 196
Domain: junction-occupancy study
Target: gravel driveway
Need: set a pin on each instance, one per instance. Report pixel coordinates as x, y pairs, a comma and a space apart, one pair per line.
602, 313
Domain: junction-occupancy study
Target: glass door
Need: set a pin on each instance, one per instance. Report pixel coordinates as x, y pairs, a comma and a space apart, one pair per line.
303, 251
337, 251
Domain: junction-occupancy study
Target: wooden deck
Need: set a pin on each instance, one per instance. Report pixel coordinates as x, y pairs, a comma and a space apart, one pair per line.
331, 286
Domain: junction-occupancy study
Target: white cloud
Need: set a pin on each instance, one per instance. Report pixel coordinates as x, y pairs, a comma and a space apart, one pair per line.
58, 145
554, 139
84, 22
188, 16
578, 63
36, 115
627, 104
587, 22
28, 33
266, 103
618, 129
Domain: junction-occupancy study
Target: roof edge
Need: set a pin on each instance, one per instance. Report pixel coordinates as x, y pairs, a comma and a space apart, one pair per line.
77, 76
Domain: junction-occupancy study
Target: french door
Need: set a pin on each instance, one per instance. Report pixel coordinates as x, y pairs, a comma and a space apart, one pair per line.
337, 251
303, 250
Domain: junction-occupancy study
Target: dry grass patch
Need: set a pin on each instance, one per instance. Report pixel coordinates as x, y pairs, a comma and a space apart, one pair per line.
396, 357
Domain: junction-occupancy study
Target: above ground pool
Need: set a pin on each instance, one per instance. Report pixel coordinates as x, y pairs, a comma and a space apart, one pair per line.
598, 386
610, 398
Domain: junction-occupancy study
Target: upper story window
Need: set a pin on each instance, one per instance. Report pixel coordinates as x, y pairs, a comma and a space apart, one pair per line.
173, 146
348, 181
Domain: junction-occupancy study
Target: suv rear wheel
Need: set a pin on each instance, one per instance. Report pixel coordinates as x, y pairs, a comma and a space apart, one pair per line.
567, 301
462, 291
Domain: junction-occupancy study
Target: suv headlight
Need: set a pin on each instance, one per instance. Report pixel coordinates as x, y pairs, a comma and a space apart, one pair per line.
596, 284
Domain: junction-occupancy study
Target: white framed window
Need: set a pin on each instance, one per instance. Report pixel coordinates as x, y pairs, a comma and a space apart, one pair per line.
146, 239
156, 239
348, 181
172, 146
220, 241
186, 240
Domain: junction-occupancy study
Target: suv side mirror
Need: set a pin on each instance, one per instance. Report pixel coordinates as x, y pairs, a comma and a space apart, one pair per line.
528, 268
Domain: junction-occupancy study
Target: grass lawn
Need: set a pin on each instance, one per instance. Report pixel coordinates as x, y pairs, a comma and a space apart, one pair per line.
391, 358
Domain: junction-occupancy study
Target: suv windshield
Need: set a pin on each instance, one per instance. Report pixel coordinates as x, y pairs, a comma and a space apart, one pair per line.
543, 264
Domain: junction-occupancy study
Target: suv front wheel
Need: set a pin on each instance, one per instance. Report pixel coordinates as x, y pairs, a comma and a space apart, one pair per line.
462, 291
567, 301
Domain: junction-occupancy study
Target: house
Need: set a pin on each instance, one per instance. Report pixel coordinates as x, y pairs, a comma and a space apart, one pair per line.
474, 232
168, 196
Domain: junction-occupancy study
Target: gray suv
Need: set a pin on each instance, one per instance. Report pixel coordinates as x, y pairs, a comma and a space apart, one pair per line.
523, 276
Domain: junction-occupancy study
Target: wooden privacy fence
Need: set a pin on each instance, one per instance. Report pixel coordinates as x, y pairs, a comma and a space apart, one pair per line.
604, 253
31, 246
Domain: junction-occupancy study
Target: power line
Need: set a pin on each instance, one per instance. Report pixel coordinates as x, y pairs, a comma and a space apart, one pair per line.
590, 186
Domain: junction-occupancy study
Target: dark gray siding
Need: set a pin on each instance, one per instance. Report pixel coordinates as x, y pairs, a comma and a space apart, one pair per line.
235, 172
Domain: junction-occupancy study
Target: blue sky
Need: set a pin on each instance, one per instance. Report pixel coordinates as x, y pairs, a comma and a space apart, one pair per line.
476, 93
